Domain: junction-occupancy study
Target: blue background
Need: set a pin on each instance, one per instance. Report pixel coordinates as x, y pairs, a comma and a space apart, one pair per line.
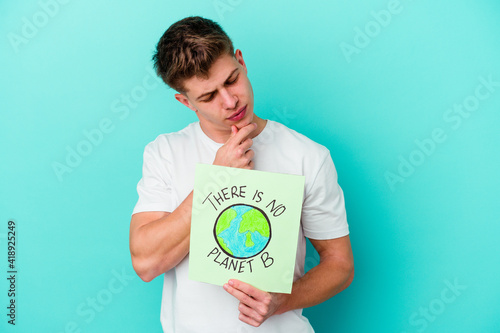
67, 70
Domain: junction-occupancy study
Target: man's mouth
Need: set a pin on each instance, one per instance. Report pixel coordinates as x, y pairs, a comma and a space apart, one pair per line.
238, 115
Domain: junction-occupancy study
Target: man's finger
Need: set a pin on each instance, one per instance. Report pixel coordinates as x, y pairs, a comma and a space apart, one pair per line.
249, 154
234, 130
249, 315
240, 296
248, 320
245, 145
244, 132
248, 289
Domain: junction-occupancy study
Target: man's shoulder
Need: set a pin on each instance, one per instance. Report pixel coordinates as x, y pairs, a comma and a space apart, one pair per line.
166, 140
295, 140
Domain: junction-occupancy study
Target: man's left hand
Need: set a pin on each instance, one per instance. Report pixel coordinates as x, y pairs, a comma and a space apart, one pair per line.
255, 305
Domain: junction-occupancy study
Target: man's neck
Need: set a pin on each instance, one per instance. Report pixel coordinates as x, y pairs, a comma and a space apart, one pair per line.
261, 124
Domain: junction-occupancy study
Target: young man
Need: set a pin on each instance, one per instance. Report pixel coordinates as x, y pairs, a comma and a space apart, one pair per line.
196, 58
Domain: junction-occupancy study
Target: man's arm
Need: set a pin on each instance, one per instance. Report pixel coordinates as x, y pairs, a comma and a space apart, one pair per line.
160, 240
333, 274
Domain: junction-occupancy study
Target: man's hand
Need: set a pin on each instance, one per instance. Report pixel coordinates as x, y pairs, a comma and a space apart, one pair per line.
236, 151
255, 305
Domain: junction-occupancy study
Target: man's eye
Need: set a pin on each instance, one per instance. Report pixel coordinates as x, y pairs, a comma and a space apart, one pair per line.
209, 98
233, 81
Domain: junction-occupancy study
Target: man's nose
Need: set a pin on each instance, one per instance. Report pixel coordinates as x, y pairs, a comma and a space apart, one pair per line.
229, 99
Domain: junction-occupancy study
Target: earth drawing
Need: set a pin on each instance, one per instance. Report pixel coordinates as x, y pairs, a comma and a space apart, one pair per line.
242, 231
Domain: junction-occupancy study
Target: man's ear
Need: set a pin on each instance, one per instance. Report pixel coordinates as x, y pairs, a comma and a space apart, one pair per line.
239, 57
184, 100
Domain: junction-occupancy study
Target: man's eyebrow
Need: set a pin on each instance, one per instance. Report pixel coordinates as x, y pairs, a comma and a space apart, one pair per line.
211, 92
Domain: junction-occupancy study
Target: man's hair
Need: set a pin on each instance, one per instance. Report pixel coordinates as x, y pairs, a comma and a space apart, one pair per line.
189, 48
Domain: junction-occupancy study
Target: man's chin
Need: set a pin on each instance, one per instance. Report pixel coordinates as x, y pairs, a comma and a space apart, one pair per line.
244, 122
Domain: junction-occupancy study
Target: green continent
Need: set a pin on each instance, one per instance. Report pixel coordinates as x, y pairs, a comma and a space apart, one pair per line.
223, 245
253, 220
225, 220
249, 242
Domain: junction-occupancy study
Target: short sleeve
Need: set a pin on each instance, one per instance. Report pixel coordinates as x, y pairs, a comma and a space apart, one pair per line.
155, 186
323, 211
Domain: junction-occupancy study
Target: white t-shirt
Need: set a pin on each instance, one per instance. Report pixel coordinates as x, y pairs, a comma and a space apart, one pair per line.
168, 178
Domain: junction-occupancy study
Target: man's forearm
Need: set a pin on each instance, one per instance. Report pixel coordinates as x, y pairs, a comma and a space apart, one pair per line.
319, 284
159, 245
333, 274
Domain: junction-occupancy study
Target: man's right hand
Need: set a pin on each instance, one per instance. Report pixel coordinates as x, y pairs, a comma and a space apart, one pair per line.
236, 151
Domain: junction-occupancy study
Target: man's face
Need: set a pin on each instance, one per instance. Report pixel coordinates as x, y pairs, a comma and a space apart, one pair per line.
222, 100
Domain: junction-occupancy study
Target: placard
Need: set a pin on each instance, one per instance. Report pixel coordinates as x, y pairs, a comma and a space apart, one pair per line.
245, 226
